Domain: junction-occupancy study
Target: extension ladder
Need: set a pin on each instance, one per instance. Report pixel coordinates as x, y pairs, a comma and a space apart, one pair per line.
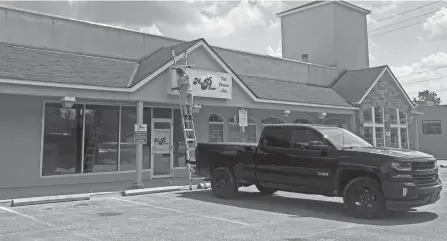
190, 145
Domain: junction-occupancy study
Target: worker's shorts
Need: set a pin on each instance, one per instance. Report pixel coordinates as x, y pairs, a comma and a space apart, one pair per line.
189, 98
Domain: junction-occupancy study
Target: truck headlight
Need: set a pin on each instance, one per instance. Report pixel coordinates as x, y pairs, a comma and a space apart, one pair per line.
401, 165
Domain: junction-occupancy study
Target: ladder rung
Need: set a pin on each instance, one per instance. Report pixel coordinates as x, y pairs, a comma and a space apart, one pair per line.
189, 129
191, 149
190, 140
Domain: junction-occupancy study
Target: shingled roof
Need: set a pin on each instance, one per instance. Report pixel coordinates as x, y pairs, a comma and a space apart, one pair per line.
355, 83
270, 89
23, 63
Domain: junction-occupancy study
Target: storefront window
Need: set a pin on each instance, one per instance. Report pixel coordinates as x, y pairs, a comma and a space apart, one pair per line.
101, 138
179, 141
394, 137
215, 128
234, 134
147, 149
62, 147
374, 126
127, 146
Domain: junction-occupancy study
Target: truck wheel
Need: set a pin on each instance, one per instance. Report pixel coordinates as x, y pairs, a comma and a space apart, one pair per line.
266, 190
223, 183
364, 198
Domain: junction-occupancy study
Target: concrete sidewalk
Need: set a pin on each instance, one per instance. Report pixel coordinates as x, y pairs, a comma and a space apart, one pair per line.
116, 187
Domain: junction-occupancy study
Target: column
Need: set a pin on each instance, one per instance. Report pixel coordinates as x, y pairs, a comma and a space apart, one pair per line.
139, 149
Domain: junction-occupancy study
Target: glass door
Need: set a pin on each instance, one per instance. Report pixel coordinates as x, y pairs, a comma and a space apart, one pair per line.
161, 147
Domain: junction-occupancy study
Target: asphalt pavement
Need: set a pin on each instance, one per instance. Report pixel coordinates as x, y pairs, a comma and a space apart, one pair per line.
196, 215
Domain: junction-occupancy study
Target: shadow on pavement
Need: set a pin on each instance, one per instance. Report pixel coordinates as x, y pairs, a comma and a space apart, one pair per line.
296, 207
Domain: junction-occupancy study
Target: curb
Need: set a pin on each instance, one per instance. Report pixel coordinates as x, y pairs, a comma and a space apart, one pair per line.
49, 199
142, 191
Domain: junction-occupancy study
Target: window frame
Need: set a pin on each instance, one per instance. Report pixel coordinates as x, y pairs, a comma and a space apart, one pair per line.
423, 129
373, 124
235, 121
84, 103
216, 123
400, 126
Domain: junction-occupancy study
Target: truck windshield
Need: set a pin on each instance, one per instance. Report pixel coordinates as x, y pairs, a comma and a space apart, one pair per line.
344, 138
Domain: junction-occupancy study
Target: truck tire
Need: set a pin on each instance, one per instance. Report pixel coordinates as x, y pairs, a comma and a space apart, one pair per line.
364, 198
266, 190
223, 183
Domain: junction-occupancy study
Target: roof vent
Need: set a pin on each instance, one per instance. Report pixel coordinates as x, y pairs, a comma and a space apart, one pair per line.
305, 57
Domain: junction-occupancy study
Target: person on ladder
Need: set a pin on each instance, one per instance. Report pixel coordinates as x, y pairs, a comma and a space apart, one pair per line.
185, 88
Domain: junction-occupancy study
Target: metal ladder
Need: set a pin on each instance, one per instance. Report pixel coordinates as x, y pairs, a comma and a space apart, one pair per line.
189, 134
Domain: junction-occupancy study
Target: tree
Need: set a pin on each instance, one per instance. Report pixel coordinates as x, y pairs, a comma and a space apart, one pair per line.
426, 95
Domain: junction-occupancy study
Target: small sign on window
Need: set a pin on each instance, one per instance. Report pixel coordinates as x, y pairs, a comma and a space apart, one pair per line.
140, 134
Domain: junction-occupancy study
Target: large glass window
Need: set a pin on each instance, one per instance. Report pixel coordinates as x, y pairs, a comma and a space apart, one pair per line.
179, 141
127, 146
431, 127
62, 147
234, 134
374, 127
92, 139
398, 128
101, 138
215, 128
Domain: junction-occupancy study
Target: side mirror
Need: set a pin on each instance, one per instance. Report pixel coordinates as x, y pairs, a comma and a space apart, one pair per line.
318, 145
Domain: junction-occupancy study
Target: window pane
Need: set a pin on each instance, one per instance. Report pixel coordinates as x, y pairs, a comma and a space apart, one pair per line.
147, 149
378, 115
127, 146
251, 134
431, 127
402, 118
277, 137
380, 141
272, 120
404, 137
101, 138
367, 116
393, 115
234, 133
395, 137
215, 132
369, 135
215, 118
179, 141
162, 113
62, 147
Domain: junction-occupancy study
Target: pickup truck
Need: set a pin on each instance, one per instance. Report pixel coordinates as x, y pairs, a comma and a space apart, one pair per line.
323, 160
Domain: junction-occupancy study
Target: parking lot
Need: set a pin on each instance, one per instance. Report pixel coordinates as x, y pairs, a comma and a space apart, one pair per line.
196, 215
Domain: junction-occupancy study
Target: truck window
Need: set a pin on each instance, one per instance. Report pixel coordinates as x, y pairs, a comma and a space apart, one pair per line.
301, 138
276, 137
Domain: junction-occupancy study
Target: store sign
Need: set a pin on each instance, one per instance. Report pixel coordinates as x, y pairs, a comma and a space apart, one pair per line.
206, 83
243, 120
162, 141
140, 133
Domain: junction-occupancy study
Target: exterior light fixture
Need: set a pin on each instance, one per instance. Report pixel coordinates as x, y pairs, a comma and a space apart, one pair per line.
321, 115
196, 108
68, 102
286, 113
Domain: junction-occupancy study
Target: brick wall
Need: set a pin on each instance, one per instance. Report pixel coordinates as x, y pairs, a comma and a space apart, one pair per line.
385, 93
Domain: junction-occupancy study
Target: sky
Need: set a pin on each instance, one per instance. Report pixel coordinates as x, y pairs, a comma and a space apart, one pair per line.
251, 25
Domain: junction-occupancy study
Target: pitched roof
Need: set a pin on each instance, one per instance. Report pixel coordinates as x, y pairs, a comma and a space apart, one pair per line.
269, 89
23, 63
157, 59
353, 85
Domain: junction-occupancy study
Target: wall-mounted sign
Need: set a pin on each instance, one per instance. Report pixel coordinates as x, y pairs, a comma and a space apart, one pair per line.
206, 83
243, 120
140, 134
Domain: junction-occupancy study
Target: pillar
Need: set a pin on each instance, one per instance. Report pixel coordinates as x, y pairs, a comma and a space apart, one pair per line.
139, 150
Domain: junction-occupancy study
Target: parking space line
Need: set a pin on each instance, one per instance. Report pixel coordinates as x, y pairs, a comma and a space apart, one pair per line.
44, 223
183, 212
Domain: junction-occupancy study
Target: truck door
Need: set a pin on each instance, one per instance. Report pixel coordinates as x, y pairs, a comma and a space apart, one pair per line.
312, 168
272, 155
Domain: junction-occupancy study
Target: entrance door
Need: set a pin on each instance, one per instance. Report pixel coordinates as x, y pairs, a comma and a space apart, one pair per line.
161, 147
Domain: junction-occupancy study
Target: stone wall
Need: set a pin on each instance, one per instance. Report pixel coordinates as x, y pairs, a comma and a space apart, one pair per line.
385, 93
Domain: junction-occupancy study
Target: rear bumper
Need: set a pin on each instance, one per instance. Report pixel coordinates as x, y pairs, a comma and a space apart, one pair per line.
407, 195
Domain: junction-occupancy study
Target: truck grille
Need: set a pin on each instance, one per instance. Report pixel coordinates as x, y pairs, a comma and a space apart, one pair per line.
426, 180
423, 166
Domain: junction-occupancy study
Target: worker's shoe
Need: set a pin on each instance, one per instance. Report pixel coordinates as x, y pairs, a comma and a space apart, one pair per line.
190, 117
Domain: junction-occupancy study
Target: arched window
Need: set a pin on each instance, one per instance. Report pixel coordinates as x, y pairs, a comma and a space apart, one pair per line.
335, 121
271, 120
234, 133
373, 125
215, 128
398, 128
303, 121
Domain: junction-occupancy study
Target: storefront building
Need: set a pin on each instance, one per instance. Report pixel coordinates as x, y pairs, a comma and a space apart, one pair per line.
119, 77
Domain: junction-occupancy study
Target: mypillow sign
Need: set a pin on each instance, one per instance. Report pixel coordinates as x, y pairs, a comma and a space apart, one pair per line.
207, 83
